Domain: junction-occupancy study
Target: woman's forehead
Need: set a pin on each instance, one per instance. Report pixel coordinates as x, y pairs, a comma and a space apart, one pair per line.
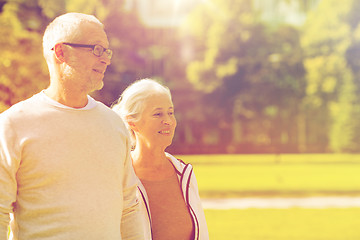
160, 100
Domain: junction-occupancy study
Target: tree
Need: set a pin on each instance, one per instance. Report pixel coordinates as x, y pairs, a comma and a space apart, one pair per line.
23, 70
331, 90
251, 74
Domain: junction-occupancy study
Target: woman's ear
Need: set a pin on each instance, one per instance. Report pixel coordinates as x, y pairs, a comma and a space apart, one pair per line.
131, 123
59, 52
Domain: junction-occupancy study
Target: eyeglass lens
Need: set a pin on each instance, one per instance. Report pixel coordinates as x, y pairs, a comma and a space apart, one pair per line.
99, 50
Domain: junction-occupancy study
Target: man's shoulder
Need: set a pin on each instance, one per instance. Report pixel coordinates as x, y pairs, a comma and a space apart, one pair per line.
102, 106
21, 108
106, 110
18, 114
110, 115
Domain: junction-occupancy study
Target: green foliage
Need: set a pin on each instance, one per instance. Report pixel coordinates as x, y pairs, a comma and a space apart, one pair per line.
244, 67
344, 127
23, 70
227, 31
331, 88
51, 9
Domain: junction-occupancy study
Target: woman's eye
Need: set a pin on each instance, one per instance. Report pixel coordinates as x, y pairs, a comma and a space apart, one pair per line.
157, 114
171, 113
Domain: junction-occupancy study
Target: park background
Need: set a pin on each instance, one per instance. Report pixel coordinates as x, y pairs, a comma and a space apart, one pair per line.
266, 95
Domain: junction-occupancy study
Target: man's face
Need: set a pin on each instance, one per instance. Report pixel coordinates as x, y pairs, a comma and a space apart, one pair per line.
83, 69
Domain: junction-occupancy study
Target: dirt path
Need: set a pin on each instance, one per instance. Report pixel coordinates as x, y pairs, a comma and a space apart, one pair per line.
308, 202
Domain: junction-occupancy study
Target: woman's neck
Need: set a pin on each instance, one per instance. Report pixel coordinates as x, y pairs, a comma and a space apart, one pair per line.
151, 164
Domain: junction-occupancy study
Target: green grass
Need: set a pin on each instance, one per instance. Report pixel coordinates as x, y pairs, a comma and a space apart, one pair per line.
276, 175
284, 224
279, 176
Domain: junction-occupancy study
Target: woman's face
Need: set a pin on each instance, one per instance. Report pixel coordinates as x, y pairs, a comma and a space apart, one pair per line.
157, 123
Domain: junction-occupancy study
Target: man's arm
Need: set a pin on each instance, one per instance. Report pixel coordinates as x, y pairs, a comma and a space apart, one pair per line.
131, 224
8, 167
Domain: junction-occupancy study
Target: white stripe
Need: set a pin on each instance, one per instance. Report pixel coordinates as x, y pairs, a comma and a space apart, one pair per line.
306, 202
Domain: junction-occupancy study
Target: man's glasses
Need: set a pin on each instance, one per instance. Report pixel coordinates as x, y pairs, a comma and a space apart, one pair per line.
96, 49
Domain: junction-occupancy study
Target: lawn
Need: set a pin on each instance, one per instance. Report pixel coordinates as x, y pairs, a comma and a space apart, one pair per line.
284, 224
288, 175
276, 175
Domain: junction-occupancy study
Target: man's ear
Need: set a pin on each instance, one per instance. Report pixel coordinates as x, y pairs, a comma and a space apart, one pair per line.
59, 52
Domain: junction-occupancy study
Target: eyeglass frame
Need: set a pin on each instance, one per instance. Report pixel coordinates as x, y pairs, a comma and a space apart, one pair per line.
108, 51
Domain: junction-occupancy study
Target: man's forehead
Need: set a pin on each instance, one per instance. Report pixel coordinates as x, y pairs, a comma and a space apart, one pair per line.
92, 33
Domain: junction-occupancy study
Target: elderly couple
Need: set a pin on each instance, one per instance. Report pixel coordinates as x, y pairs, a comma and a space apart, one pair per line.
71, 168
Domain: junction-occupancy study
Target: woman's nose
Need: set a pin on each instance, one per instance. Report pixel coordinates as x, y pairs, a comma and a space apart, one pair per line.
167, 120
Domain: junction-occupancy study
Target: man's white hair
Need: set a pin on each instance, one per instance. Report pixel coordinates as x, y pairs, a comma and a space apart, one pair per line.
65, 28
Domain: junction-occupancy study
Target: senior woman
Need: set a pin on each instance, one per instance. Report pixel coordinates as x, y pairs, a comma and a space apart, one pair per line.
167, 191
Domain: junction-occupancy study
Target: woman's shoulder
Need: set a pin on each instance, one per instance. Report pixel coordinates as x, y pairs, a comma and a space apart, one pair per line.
178, 163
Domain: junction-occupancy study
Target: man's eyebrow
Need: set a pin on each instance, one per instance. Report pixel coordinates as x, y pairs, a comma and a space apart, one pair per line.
162, 108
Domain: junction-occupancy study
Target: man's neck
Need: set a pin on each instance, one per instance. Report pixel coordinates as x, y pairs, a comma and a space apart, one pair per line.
67, 98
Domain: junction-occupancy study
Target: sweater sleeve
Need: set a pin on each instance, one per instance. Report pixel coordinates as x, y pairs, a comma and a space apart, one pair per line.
131, 220
9, 161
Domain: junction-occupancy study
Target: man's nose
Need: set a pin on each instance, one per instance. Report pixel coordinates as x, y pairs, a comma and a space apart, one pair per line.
104, 59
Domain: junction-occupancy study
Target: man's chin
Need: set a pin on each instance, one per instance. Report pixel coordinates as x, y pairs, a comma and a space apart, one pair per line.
98, 86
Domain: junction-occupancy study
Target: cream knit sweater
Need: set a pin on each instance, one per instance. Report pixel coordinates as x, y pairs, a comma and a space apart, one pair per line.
66, 174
